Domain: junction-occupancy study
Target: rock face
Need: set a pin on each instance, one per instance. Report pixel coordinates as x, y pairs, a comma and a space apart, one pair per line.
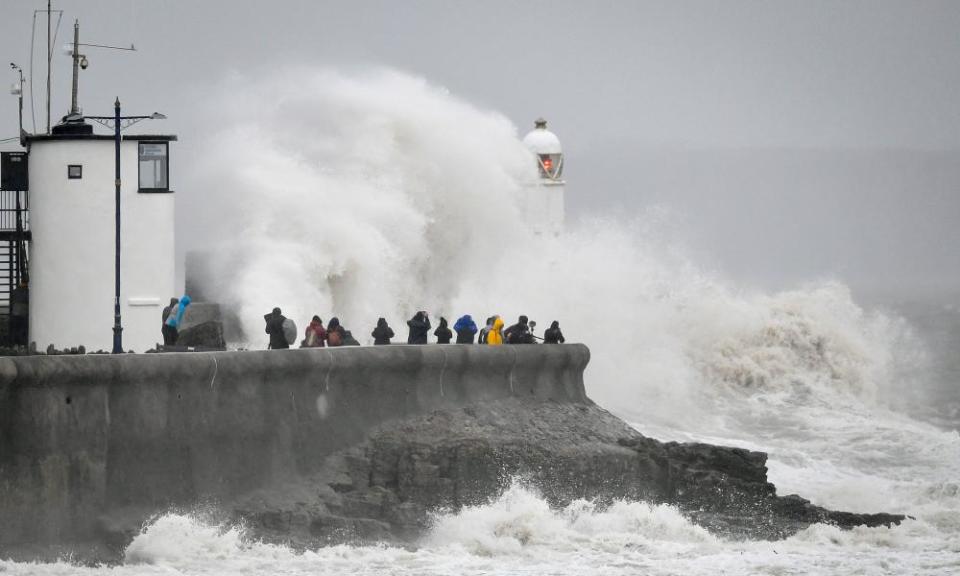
385, 489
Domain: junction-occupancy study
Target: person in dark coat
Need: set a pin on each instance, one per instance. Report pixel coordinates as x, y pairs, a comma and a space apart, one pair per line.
443, 332
519, 333
275, 320
20, 314
169, 332
382, 333
465, 328
553, 335
419, 328
485, 331
335, 333
315, 335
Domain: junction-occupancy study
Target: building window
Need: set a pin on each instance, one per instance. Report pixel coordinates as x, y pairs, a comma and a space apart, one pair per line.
75, 171
154, 167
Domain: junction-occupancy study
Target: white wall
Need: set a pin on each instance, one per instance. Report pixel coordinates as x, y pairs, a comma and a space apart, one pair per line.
72, 253
542, 206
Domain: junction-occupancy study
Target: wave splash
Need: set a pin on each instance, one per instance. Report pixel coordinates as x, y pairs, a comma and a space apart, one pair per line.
519, 533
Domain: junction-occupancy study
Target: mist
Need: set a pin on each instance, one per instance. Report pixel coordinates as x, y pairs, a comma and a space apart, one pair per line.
789, 142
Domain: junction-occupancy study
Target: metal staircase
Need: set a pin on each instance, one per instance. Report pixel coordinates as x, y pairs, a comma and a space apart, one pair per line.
14, 253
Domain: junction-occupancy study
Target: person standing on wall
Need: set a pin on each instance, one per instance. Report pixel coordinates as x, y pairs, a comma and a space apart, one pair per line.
315, 335
169, 332
465, 328
495, 335
274, 327
519, 333
553, 335
20, 314
443, 332
485, 331
419, 328
382, 333
175, 318
335, 333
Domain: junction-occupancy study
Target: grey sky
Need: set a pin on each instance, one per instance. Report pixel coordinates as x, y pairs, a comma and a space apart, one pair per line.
795, 139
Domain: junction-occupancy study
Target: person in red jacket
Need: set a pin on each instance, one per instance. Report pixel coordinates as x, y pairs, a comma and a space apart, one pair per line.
315, 336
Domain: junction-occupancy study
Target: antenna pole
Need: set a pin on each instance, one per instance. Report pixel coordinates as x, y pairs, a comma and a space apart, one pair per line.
22, 133
74, 109
49, 57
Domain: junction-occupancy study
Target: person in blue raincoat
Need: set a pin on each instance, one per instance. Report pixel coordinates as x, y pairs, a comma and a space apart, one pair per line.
175, 318
465, 328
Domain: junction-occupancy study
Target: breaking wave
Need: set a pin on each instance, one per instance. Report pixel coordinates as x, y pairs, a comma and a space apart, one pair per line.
519, 533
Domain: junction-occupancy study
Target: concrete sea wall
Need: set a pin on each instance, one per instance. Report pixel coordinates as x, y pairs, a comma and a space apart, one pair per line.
84, 439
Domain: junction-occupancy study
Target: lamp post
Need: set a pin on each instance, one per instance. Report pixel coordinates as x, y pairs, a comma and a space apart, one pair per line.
118, 123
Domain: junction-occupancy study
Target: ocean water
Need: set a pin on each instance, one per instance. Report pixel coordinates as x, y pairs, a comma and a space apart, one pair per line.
380, 194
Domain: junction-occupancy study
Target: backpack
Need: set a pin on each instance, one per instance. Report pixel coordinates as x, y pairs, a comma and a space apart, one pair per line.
289, 331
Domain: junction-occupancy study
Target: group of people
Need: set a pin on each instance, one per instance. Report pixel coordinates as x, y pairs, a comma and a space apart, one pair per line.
282, 332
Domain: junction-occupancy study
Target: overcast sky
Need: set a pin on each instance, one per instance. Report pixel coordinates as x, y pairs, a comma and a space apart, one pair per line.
795, 140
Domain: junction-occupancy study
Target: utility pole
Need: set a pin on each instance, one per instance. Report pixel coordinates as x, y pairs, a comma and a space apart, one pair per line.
49, 58
117, 327
74, 110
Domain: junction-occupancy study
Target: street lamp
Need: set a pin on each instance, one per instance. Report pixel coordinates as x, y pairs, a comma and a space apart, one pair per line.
118, 122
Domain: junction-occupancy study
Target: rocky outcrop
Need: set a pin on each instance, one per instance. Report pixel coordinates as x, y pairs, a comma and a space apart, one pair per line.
386, 488
202, 327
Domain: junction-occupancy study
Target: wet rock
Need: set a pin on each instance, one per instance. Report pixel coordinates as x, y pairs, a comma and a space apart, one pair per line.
387, 488
208, 335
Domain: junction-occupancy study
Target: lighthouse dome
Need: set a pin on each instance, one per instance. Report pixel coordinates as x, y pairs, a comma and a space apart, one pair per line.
542, 141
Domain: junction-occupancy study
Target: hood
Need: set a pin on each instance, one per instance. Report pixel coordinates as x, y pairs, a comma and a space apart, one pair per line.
382, 323
443, 322
185, 301
333, 323
554, 324
498, 323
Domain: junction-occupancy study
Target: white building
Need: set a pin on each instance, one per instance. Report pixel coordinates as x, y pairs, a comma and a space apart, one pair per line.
542, 204
72, 221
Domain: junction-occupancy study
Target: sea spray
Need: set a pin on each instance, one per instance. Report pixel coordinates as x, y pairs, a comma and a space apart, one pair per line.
378, 194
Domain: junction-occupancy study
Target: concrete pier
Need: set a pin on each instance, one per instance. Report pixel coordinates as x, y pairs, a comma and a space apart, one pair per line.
87, 438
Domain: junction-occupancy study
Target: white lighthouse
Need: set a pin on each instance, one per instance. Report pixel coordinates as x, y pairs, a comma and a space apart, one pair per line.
542, 204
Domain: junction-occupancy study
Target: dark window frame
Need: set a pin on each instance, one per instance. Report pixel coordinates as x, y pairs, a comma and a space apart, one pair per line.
166, 190
70, 175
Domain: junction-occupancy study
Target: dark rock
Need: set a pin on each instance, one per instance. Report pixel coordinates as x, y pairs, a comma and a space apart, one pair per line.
386, 489
208, 335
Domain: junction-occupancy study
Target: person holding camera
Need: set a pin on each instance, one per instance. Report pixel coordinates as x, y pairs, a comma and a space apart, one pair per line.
419, 328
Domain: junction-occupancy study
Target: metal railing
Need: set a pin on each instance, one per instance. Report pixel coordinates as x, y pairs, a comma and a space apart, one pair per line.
8, 210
